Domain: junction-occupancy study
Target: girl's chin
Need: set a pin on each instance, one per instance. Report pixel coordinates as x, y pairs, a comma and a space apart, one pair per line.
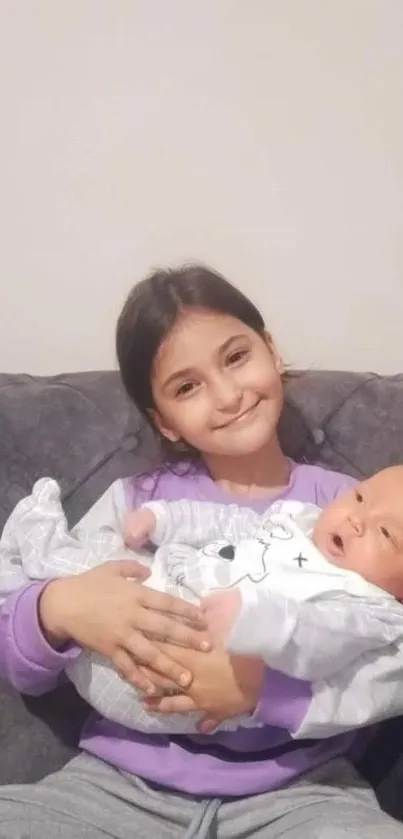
241, 445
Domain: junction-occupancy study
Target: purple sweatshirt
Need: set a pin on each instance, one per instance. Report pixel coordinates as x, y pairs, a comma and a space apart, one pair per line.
239, 763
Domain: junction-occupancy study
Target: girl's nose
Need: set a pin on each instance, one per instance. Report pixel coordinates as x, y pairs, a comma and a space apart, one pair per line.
227, 394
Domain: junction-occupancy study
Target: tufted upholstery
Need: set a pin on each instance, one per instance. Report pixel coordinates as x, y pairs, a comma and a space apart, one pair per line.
81, 430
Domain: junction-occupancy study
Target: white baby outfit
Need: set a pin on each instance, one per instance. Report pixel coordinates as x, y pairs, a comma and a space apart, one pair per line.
299, 613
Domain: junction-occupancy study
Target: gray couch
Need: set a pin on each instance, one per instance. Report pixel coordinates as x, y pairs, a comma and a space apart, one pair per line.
81, 430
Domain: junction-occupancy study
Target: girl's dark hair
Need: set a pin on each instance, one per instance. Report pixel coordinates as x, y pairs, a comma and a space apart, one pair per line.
148, 315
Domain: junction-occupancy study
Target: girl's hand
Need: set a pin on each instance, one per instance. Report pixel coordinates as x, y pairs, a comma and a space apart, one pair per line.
108, 613
223, 686
137, 527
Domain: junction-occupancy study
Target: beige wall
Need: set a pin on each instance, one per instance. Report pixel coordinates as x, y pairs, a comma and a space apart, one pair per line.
264, 137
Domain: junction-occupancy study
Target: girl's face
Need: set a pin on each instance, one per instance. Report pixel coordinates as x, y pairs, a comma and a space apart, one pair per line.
217, 385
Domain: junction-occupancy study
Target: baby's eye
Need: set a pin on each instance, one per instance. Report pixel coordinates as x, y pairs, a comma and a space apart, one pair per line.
359, 497
385, 533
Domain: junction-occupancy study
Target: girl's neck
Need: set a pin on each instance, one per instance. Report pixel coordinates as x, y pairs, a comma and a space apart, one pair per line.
253, 475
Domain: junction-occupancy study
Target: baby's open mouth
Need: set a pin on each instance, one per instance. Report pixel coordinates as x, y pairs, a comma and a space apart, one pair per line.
337, 541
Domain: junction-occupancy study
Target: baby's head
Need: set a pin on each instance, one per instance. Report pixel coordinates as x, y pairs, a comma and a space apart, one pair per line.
362, 530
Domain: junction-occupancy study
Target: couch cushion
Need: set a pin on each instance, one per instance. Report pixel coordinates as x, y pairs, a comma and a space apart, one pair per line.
79, 429
354, 421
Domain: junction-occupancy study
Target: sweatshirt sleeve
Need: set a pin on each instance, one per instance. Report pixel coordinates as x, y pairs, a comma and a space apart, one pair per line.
283, 702
27, 660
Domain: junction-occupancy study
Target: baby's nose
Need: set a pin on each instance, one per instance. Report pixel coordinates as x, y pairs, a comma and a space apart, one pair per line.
357, 525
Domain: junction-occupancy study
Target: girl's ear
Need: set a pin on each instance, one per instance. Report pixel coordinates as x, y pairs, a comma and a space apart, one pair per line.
165, 430
277, 358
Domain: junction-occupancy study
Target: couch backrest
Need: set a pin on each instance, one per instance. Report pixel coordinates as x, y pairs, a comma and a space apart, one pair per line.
81, 430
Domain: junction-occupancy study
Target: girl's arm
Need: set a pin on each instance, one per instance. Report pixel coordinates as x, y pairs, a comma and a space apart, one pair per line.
41, 623
224, 686
27, 660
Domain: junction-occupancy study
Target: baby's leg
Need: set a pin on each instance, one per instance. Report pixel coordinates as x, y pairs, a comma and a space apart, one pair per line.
47, 547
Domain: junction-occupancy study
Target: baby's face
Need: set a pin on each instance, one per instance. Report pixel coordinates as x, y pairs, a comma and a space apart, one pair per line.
362, 530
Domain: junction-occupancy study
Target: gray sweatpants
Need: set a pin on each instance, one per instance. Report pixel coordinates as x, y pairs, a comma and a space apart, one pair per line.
90, 800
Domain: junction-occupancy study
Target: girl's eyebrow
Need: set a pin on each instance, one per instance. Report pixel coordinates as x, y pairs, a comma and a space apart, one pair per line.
227, 344
180, 374
229, 341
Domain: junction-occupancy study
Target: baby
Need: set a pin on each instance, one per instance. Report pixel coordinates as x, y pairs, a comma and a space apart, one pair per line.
314, 593
279, 608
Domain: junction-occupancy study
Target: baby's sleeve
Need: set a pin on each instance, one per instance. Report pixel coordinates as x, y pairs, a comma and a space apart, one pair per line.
368, 691
312, 640
196, 523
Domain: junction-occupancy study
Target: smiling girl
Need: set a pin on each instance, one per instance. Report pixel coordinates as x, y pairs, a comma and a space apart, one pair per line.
197, 361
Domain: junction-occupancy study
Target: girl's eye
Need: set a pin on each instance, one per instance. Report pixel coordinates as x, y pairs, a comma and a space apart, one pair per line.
358, 497
385, 533
185, 389
237, 356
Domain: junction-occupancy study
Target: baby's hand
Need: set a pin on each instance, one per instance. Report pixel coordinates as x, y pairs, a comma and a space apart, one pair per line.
137, 527
220, 610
